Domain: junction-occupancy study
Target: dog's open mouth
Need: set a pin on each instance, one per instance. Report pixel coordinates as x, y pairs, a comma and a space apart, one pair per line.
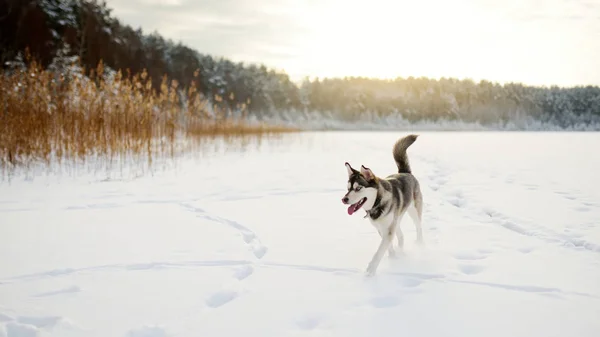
355, 207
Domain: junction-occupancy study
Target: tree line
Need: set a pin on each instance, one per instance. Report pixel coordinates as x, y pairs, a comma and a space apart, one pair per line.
54, 30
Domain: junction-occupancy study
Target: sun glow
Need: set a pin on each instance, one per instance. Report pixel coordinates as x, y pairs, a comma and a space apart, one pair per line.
431, 38
378, 39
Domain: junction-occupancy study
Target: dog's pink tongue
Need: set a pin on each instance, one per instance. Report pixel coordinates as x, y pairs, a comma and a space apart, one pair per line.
350, 209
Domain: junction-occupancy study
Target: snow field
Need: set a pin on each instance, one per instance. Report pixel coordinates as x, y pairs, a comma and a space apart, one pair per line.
258, 243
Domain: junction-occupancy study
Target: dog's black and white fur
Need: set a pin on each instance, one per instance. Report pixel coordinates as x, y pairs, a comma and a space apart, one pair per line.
386, 200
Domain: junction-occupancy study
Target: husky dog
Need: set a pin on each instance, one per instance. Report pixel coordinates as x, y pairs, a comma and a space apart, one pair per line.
386, 200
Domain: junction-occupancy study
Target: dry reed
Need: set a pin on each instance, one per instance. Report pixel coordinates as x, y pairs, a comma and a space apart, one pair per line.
46, 117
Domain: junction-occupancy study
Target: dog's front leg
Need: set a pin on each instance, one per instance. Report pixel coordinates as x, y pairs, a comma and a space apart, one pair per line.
391, 250
384, 245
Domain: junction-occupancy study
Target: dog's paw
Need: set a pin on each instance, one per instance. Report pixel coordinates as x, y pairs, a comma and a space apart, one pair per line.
371, 269
369, 273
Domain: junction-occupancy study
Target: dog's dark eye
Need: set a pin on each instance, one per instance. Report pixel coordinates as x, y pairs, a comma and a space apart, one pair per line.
358, 188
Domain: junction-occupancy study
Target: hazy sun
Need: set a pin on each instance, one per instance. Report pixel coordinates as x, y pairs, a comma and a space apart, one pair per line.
382, 39
433, 38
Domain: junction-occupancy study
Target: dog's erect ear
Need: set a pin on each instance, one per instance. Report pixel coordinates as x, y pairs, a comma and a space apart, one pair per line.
350, 169
367, 173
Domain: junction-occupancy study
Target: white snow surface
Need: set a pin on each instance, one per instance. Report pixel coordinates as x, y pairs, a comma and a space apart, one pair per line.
258, 243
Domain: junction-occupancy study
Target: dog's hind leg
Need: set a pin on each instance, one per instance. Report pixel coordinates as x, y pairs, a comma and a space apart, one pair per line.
415, 212
400, 237
399, 234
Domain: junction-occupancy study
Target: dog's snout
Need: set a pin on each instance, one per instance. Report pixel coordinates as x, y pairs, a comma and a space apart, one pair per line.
345, 200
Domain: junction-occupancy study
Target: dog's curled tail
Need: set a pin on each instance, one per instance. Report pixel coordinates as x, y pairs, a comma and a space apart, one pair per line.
400, 153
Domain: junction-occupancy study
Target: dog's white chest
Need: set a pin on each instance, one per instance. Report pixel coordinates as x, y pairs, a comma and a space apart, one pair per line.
383, 223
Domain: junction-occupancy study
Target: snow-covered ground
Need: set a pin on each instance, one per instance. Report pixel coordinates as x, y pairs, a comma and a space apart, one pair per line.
258, 243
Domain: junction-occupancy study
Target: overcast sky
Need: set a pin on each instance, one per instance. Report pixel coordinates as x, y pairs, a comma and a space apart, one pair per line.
530, 41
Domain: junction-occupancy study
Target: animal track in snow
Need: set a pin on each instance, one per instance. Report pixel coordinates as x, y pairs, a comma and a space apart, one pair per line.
22, 209
5, 318
566, 195
531, 187
309, 322
457, 201
411, 282
582, 202
470, 269
259, 251
28, 326
243, 272
553, 296
191, 208
39, 321
69, 290
385, 302
227, 295
249, 237
541, 233
436, 176
441, 180
147, 331
220, 298
94, 206
582, 208
524, 288
125, 267
15, 329
525, 250
437, 182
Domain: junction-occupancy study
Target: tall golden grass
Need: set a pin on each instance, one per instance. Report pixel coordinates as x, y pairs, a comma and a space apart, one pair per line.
47, 117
